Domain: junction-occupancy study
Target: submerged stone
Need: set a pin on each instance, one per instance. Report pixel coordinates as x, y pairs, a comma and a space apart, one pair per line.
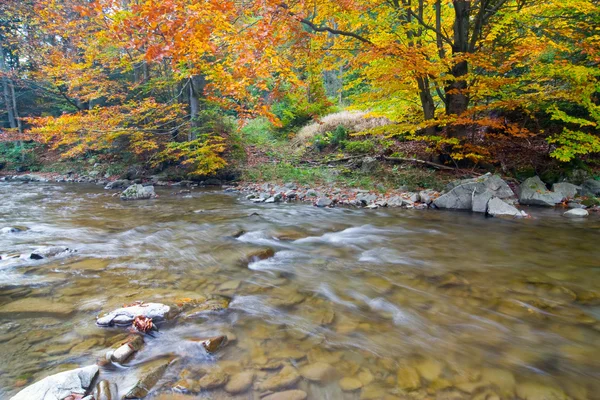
287, 395
240, 382
37, 305
150, 376
318, 372
287, 377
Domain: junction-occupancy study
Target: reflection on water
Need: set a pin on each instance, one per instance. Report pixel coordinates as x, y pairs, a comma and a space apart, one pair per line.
403, 304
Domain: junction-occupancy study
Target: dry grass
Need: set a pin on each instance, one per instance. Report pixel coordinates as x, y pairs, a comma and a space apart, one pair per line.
353, 121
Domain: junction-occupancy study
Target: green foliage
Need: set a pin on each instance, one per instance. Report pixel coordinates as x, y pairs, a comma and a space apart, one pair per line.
18, 153
258, 132
358, 146
338, 135
320, 142
299, 107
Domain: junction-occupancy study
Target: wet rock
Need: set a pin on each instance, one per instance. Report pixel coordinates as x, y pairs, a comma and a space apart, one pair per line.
460, 194
9, 229
498, 208
122, 353
429, 369
567, 190
534, 192
503, 379
213, 380
287, 395
323, 202
408, 378
105, 391
537, 391
118, 184
348, 384
575, 204
576, 213
318, 372
151, 374
60, 386
590, 187
138, 192
285, 297
288, 376
47, 252
372, 392
240, 382
126, 315
37, 305
209, 306
259, 254
229, 286
215, 343
29, 178
366, 198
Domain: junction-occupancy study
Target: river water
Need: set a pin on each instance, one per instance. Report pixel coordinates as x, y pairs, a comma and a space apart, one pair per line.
476, 308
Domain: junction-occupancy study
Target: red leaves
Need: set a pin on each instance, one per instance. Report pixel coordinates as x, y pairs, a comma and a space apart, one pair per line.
142, 324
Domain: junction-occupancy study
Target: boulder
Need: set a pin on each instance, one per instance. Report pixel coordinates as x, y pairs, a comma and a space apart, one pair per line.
590, 187
497, 207
60, 386
369, 165
126, 315
534, 192
576, 213
29, 178
323, 202
138, 192
461, 194
567, 190
118, 184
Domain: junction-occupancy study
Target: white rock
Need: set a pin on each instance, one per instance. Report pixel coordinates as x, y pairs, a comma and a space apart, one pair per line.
60, 386
576, 213
126, 315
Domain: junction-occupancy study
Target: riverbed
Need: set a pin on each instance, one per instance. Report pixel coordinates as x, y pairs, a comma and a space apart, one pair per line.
399, 303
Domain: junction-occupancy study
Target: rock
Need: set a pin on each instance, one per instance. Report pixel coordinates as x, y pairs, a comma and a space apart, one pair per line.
49, 252
287, 395
60, 386
118, 184
287, 377
229, 285
574, 204
37, 305
425, 196
537, 391
461, 194
408, 378
318, 372
126, 315
503, 379
274, 199
138, 192
534, 192
480, 201
213, 380
366, 198
209, 306
105, 391
215, 343
369, 165
567, 190
9, 229
290, 194
429, 369
497, 207
590, 187
240, 382
350, 384
29, 178
122, 353
150, 376
213, 182
576, 213
323, 202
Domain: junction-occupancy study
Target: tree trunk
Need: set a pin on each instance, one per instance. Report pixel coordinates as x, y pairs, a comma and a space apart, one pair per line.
12, 122
196, 90
457, 98
427, 103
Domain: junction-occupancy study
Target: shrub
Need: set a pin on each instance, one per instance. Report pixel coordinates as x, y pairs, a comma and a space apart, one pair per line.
338, 135
358, 147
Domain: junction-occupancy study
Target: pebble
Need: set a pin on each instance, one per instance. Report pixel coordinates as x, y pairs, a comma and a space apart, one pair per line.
287, 395
348, 384
318, 372
240, 382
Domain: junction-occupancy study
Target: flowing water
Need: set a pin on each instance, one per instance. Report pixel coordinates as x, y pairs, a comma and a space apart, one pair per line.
404, 304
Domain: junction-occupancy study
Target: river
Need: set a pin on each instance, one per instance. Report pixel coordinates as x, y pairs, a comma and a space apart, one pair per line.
478, 307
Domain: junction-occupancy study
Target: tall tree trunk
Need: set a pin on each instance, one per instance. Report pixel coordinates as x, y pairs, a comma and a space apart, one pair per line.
427, 103
12, 122
457, 98
196, 90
